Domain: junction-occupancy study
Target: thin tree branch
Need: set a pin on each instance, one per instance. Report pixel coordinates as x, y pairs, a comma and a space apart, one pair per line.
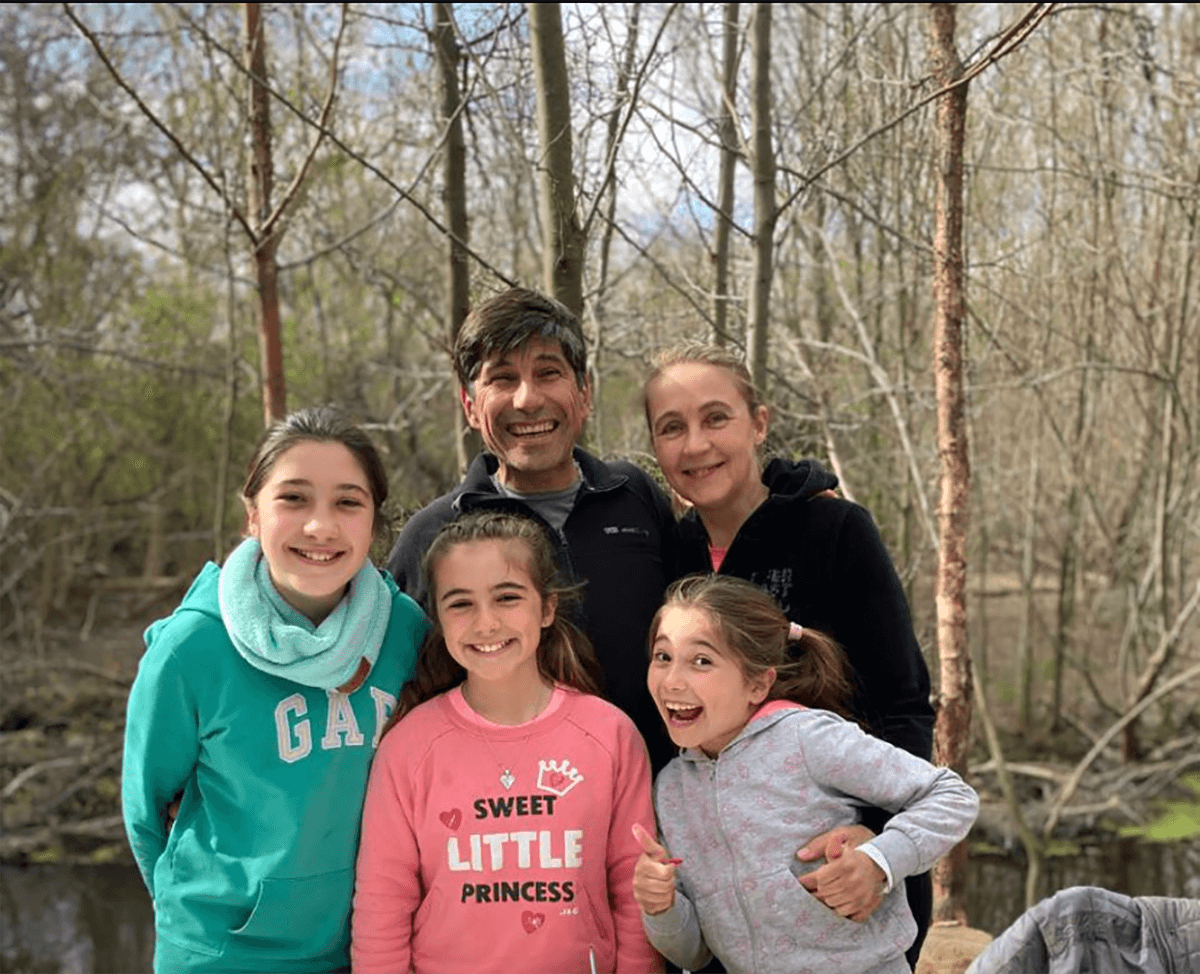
294, 187
611, 162
884, 382
1104, 740
1009, 41
156, 122
1162, 653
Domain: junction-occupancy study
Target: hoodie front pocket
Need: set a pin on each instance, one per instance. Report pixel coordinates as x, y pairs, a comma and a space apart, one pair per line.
798, 918
299, 917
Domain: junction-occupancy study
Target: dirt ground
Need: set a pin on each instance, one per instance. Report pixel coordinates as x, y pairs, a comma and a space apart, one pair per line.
62, 721
950, 947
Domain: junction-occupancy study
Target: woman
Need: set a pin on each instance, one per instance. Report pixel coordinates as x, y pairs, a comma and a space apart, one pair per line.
782, 529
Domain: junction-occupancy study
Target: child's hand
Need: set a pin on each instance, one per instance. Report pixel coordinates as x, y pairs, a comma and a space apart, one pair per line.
851, 883
654, 875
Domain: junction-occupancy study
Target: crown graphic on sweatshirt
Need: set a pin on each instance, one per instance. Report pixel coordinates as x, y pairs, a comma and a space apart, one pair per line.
557, 777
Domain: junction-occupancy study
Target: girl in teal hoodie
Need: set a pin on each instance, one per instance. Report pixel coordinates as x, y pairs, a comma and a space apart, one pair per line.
258, 705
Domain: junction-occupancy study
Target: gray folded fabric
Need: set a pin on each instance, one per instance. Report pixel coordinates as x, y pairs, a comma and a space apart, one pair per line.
1093, 930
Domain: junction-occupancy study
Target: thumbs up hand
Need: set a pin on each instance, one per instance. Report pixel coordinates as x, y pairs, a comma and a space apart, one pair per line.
654, 875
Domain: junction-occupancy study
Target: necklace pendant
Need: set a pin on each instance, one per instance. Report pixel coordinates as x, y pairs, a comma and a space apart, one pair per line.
507, 779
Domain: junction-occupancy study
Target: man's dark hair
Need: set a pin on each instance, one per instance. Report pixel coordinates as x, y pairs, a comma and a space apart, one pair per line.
506, 322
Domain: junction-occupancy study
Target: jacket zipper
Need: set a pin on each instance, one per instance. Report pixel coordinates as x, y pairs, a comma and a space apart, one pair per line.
737, 882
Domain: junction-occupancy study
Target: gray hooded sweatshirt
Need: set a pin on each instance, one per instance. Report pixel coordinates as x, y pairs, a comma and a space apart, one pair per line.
738, 820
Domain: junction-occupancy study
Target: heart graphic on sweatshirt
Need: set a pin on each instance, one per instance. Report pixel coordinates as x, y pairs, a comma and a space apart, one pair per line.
451, 819
531, 921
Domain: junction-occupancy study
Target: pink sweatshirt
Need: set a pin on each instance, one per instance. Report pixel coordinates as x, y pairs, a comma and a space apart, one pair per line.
458, 873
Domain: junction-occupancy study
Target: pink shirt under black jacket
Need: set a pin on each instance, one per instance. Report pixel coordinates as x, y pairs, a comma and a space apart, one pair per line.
456, 872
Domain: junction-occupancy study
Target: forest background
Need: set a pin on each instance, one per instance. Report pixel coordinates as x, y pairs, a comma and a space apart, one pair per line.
765, 175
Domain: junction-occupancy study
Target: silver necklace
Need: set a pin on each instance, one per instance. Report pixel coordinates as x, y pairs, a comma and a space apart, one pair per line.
507, 778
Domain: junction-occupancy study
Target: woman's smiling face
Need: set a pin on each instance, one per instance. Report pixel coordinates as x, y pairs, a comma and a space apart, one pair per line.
314, 517
705, 436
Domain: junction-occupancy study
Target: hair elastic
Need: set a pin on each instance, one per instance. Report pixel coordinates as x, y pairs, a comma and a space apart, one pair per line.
795, 632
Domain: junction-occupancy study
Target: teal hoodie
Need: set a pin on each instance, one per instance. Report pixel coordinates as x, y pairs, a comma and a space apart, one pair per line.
257, 872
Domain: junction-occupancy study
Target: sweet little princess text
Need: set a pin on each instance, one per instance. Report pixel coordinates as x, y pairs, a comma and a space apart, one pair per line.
515, 849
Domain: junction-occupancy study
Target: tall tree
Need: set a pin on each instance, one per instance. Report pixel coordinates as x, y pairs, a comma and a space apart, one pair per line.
766, 209
262, 178
454, 174
562, 237
608, 195
727, 130
260, 219
952, 732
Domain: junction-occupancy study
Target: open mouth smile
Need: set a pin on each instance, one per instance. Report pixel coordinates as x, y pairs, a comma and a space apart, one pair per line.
701, 472
488, 648
317, 557
681, 715
533, 429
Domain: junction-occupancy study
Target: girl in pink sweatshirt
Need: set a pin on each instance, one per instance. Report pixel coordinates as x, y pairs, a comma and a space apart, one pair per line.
497, 832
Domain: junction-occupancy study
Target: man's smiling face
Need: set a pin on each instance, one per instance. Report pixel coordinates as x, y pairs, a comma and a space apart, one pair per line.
530, 411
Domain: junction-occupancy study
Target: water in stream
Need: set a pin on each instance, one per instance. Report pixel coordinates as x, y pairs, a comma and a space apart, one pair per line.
81, 919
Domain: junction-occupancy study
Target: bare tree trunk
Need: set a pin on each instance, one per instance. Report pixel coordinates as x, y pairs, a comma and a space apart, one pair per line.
1028, 537
1068, 566
952, 733
454, 170
261, 176
152, 565
562, 246
765, 209
610, 215
729, 156
230, 406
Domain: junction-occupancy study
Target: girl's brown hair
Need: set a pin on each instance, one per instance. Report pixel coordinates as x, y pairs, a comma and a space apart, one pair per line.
565, 655
811, 670
318, 424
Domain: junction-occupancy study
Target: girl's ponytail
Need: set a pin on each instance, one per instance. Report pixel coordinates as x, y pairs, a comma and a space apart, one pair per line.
815, 672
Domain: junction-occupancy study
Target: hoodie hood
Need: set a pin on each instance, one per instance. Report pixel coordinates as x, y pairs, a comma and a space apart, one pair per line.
787, 481
201, 597
797, 479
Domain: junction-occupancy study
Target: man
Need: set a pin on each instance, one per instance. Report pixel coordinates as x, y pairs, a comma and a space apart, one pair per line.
522, 372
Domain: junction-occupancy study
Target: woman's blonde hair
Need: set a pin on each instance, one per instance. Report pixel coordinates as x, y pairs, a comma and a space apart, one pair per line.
701, 353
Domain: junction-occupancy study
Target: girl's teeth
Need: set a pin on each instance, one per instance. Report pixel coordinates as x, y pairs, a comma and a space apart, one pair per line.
317, 556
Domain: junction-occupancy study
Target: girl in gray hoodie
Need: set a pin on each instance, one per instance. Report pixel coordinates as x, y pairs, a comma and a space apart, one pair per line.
767, 763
